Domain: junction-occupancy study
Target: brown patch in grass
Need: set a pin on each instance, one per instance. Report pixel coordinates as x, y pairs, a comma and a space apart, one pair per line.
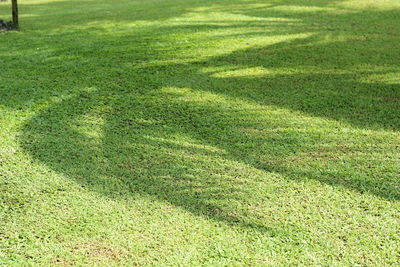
98, 251
61, 262
254, 131
391, 99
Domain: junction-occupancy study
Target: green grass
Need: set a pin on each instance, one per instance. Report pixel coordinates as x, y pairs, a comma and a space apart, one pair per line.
200, 132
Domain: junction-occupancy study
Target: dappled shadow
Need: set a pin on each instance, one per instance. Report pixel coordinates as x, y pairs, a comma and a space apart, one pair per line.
193, 130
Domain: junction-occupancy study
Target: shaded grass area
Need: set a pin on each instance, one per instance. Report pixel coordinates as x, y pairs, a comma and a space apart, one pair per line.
201, 133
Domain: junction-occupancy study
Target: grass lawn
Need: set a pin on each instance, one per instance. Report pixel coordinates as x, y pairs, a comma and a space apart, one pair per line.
200, 132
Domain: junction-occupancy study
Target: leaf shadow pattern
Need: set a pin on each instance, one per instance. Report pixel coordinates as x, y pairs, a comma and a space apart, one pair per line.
140, 129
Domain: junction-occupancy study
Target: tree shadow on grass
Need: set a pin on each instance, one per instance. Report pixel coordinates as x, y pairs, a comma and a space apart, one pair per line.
205, 135
138, 147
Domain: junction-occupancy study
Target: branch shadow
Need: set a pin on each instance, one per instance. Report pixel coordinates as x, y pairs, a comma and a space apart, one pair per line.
140, 131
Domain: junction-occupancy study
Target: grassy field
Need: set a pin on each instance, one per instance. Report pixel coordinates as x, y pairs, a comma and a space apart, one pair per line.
200, 132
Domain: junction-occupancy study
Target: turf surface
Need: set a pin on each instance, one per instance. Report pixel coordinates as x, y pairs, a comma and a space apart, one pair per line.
200, 132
